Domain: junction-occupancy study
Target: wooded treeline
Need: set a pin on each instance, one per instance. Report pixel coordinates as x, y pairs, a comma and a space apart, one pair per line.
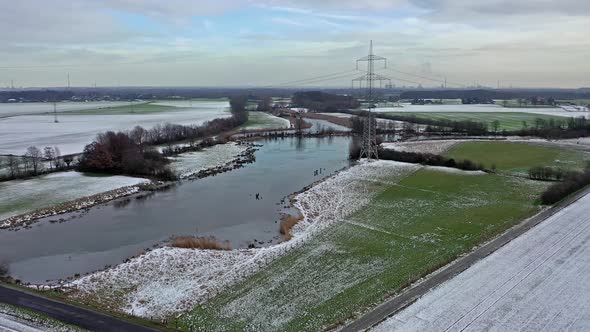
133, 153
324, 102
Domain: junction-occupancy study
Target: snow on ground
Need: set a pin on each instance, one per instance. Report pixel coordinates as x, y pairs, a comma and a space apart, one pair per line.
261, 120
339, 115
22, 196
479, 108
74, 131
16, 319
427, 146
167, 280
218, 155
454, 170
539, 281
14, 109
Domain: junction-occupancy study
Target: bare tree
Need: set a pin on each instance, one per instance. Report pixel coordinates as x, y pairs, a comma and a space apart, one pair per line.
34, 156
298, 124
57, 157
68, 160
13, 163
496, 126
49, 154
139, 135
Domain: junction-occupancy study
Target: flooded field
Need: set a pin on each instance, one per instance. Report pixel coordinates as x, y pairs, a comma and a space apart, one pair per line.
108, 234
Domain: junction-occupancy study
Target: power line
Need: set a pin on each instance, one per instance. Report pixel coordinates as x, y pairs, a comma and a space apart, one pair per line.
369, 143
444, 81
316, 79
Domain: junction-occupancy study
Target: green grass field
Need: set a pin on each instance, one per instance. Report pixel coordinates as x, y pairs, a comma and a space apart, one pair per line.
406, 231
508, 120
260, 120
510, 157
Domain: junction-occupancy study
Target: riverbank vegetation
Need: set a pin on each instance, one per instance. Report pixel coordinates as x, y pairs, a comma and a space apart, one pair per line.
199, 242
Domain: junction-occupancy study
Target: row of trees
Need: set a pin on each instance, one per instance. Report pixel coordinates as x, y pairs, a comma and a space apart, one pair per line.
35, 161
430, 159
571, 183
573, 127
324, 102
133, 152
169, 133
546, 173
441, 125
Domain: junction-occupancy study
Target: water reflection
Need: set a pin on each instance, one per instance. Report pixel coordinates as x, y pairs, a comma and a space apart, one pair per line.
223, 206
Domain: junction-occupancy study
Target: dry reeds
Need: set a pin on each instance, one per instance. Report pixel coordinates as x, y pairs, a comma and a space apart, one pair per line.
287, 224
199, 242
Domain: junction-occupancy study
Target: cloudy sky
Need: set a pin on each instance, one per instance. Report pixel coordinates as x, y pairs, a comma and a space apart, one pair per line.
536, 43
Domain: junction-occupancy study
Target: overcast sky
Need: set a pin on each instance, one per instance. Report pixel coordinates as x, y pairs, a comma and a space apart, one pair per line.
535, 43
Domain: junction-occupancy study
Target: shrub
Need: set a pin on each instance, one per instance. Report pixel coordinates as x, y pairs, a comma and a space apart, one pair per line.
571, 183
546, 173
287, 224
204, 242
429, 159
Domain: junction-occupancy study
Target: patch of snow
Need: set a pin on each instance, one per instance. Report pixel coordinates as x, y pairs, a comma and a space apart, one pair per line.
426, 146
190, 163
22, 196
454, 170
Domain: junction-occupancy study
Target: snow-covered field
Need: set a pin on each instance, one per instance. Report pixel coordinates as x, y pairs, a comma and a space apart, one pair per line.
167, 280
16, 319
557, 111
192, 162
22, 196
74, 131
537, 282
17, 109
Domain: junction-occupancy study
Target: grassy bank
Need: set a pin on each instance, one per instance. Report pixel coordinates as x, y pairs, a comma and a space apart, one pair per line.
409, 229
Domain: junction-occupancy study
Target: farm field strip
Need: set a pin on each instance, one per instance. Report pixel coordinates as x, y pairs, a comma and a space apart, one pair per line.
535, 282
75, 130
22, 196
518, 157
261, 120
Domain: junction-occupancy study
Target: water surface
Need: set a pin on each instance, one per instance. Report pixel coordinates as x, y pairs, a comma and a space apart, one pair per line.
224, 206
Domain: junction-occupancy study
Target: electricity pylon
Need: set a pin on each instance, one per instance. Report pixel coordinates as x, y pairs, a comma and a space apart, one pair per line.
369, 143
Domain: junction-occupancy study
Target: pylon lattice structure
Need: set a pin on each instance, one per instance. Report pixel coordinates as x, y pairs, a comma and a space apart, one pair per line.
369, 142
